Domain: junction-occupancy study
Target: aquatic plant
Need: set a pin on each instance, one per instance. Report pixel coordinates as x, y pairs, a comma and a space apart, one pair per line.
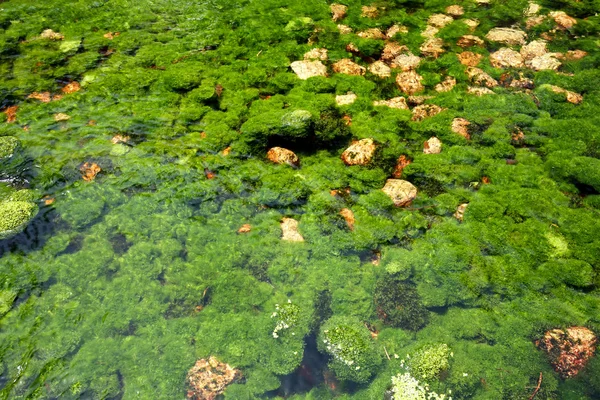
427, 362
398, 304
17, 208
406, 387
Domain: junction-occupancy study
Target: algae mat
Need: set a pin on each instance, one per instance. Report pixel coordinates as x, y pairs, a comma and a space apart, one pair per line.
158, 246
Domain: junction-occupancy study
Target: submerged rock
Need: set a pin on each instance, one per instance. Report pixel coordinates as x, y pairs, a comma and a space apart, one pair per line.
49, 34
400, 191
425, 111
446, 85
572, 97
308, 69
17, 208
509, 36
406, 62
396, 102
394, 30
372, 33
432, 146
479, 91
279, 155
460, 211
348, 67
479, 77
409, 82
317, 54
547, 61
469, 58
392, 50
461, 126
8, 147
563, 20
246, 228
338, 11
348, 216
439, 20
380, 69
289, 229
569, 350
369, 12
360, 152
534, 49
61, 117
506, 58
470, 41
455, 10
402, 162
345, 99
344, 29
432, 47
208, 379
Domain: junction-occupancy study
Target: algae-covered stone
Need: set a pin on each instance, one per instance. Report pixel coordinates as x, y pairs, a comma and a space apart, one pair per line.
400, 191
279, 155
307, 69
289, 229
506, 58
14, 217
348, 67
507, 36
338, 11
359, 153
432, 146
410, 82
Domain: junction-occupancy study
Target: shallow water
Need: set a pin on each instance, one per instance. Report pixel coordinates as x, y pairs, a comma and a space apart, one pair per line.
124, 280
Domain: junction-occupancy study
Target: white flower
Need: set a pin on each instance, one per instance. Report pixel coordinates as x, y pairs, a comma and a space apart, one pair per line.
289, 301
293, 333
295, 353
465, 374
357, 367
275, 335
396, 356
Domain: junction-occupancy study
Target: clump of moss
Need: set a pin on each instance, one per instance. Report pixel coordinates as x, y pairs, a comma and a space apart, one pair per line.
349, 344
287, 315
8, 146
398, 304
428, 362
14, 216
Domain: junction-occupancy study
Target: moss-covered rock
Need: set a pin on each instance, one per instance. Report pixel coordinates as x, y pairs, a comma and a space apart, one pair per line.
14, 216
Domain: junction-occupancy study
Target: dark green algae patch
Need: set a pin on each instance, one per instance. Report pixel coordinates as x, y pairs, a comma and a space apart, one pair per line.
120, 284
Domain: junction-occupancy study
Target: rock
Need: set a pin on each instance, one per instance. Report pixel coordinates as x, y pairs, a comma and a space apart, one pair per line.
120, 139
483, 2
533, 49
470, 41
111, 35
439, 20
344, 29
60, 117
572, 55
380, 69
430, 32
455, 10
406, 62
461, 126
372, 33
208, 379
49, 34
11, 114
572, 97
479, 77
447, 85
396, 102
316, 54
44, 97
479, 91
392, 50
348, 67
562, 19
418, 100
532, 9
369, 12
308, 69
402, 163
508, 36
568, 350
471, 23
425, 111
409, 82
517, 138
432, 47
338, 11
401, 192
546, 62
506, 58
89, 170
394, 30
460, 212
72, 87
360, 152
15, 214
432, 146
279, 155
469, 58
289, 229
245, 228
352, 48
346, 99
522, 83
348, 216
534, 21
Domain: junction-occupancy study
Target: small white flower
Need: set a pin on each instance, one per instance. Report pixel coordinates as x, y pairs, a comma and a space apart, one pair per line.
275, 335
357, 367
293, 333
396, 356
465, 374
295, 353
289, 301
451, 354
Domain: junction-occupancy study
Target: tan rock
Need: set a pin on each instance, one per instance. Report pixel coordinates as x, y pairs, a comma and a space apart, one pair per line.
569, 351
547, 61
461, 126
289, 229
471, 23
425, 111
532, 9
409, 82
317, 54
562, 19
308, 69
432, 146
572, 97
439, 20
369, 12
446, 85
352, 48
522, 83
71, 87
372, 33
430, 32
380, 69
406, 62
44, 97
392, 50
432, 47
469, 58
533, 49
208, 379
400, 191
348, 216
246, 228
506, 58
483, 2
120, 139
573, 55
470, 41
279, 155
396, 102
89, 170
394, 30
479, 91
479, 77
338, 11
348, 67
360, 152
508, 36
460, 212
418, 100
346, 99
344, 29
49, 34
60, 117
455, 10
534, 21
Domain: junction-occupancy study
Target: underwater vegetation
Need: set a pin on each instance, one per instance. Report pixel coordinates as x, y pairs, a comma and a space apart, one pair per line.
154, 155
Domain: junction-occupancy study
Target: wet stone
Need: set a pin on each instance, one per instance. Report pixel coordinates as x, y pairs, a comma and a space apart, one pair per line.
409, 82
400, 191
455, 10
348, 67
289, 229
369, 12
317, 54
360, 152
461, 126
309, 69
432, 146
432, 47
380, 69
338, 11
508, 36
394, 30
469, 58
373, 33
279, 155
425, 111
547, 61
470, 41
345, 99
439, 20
406, 62
396, 102
506, 58
446, 85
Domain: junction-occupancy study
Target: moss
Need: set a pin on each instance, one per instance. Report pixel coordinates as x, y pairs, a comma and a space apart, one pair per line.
428, 362
15, 217
398, 304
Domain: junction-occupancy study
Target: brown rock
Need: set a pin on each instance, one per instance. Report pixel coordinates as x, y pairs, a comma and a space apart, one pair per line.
11, 114
461, 126
572, 55
111, 35
71, 88
439, 20
401, 192
338, 11
569, 351
369, 12
418, 100
534, 21
348, 67
455, 10
360, 152
49, 34
460, 212
471, 23
432, 146
430, 32
546, 62
506, 58
373, 33
479, 91
572, 97
380, 69
469, 58
522, 83
308, 69
409, 82
425, 111
344, 29
447, 85
279, 155
396, 102
479, 77
44, 97
406, 62
432, 47
392, 50
89, 171
208, 379
289, 229
533, 49
394, 30
316, 54
470, 41
562, 19
245, 228
402, 163
508, 36
345, 99
120, 139
348, 215
61, 117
